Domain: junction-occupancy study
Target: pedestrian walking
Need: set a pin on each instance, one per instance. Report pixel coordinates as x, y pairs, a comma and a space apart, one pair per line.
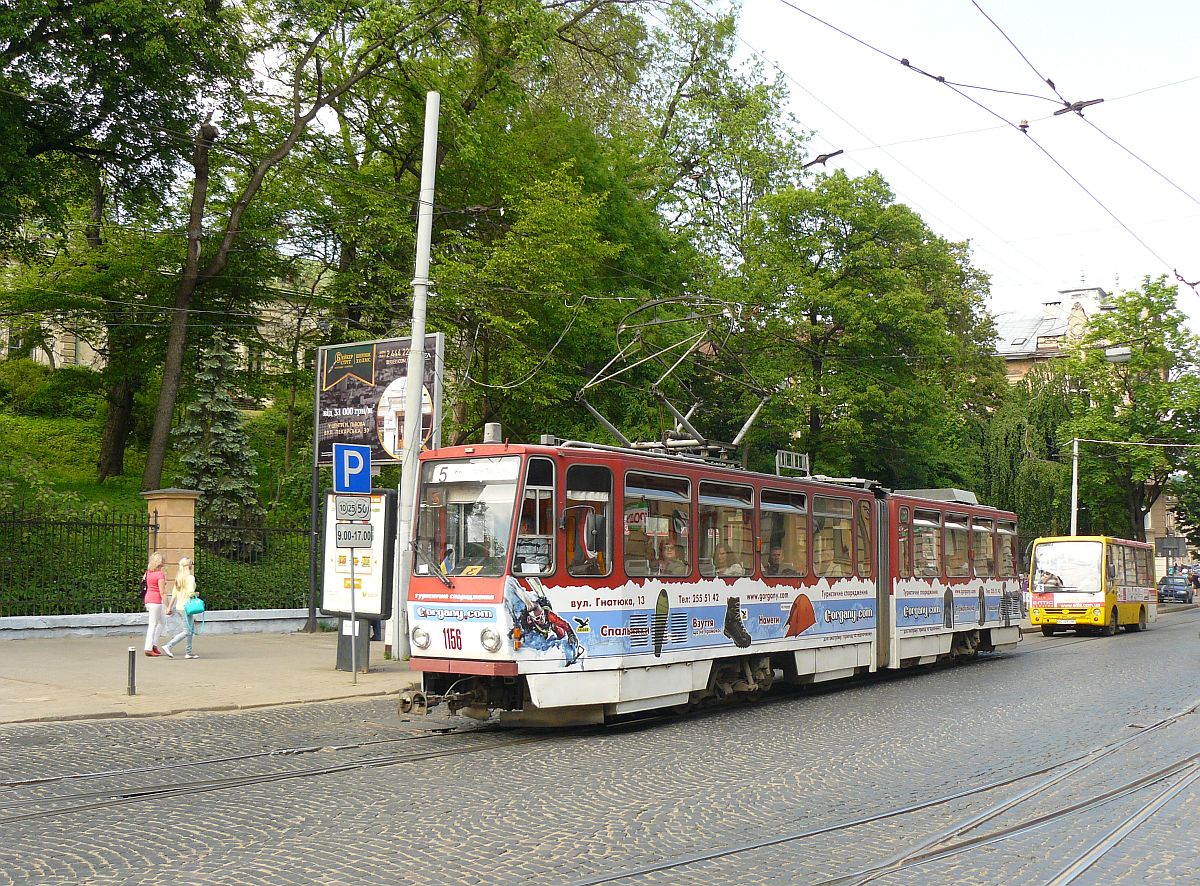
184, 590
155, 577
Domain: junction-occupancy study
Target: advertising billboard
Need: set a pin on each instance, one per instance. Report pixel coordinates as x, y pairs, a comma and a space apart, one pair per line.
361, 395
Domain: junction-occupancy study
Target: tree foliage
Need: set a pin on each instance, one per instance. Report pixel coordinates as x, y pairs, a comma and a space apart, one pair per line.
1133, 380
214, 449
607, 179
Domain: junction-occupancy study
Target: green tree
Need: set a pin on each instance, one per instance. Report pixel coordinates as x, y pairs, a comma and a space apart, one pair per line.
874, 331
215, 453
1134, 380
95, 95
1025, 467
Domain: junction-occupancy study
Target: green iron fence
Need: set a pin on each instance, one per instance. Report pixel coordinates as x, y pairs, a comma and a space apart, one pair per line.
69, 564
252, 567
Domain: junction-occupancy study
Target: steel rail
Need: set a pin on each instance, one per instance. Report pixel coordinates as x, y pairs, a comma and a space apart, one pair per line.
987, 815
907, 858
119, 797
1023, 827
1101, 847
204, 761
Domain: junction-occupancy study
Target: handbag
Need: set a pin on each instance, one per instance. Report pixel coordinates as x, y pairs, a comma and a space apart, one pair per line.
142, 589
193, 606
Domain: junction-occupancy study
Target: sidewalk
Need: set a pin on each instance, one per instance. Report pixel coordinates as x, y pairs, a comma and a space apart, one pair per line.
87, 677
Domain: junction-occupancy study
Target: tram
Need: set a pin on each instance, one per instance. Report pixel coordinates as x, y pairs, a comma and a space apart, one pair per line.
566, 583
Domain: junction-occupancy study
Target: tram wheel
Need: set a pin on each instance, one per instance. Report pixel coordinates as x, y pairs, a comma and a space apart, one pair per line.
1048, 631
1110, 629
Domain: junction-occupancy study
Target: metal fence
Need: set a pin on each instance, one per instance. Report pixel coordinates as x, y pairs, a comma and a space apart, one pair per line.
68, 564
252, 567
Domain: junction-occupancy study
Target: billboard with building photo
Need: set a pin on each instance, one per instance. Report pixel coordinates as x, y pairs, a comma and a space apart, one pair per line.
361, 389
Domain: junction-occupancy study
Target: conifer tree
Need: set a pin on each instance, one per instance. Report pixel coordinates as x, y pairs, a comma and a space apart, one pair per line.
215, 452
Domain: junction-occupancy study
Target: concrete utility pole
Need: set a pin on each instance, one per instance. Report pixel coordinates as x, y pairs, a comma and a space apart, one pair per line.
1074, 483
401, 646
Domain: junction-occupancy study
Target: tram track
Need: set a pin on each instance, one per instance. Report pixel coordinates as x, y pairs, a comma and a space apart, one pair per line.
1189, 767
230, 758
948, 842
65, 804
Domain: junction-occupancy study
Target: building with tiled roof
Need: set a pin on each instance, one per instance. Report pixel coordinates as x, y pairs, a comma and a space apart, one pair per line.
1025, 339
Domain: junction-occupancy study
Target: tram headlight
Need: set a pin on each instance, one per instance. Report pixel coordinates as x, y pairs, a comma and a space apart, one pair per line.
490, 639
420, 637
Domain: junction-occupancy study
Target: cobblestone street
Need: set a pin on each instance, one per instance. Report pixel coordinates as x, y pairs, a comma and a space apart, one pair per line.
349, 792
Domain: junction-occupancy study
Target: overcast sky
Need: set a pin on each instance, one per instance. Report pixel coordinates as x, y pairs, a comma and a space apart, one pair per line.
973, 177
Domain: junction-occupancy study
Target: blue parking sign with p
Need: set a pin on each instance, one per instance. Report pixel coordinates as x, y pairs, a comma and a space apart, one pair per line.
351, 468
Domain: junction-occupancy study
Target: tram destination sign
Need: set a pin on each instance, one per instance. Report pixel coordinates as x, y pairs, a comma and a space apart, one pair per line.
353, 535
352, 508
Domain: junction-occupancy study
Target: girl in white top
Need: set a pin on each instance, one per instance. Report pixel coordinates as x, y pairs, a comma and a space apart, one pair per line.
185, 589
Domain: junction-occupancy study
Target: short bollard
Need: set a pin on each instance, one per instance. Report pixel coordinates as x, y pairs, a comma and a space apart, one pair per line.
132, 670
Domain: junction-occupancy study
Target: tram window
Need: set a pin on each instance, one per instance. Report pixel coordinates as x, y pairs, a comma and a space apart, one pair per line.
903, 532
656, 523
927, 538
534, 551
1006, 537
864, 539
955, 542
587, 520
783, 518
726, 538
832, 536
985, 548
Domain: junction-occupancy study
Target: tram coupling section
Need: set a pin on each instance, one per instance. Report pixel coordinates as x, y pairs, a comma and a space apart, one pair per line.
414, 701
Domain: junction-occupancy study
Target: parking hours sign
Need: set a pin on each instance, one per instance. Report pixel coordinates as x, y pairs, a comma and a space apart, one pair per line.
354, 535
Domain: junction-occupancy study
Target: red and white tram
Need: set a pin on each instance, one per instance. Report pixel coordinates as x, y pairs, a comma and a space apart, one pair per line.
565, 584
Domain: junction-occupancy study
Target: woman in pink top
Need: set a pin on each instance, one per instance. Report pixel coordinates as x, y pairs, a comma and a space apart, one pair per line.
154, 601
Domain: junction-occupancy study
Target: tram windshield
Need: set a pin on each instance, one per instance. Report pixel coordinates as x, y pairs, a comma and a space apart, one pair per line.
1067, 566
466, 513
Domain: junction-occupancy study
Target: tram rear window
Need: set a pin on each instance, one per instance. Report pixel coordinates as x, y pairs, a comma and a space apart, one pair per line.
534, 550
783, 518
927, 543
657, 521
957, 557
833, 536
726, 536
904, 533
983, 548
1006, 538
587, 520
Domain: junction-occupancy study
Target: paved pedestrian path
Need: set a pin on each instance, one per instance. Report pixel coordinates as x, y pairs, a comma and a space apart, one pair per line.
87, 677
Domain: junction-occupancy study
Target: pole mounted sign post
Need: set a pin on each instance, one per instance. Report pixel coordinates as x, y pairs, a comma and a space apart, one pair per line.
352, 474
351, 468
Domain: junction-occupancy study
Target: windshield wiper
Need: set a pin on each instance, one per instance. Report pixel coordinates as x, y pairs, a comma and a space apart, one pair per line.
437, 569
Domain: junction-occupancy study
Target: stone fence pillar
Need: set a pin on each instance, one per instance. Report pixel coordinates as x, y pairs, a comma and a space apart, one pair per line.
176, 526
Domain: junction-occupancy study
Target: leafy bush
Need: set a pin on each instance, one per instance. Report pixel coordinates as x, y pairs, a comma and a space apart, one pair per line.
74, 391
20, 379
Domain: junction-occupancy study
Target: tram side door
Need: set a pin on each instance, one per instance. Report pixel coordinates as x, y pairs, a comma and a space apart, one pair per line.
884, 610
